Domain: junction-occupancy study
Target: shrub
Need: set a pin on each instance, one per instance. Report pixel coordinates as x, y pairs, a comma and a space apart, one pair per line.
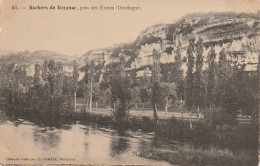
147, 124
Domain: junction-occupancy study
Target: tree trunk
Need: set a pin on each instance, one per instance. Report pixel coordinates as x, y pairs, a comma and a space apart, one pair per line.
190, 121
96, 105
155, 115
182, 109
90, 98
198, 112
166, 109
86, 97
87, 101
135, 106
75, 101
143, 108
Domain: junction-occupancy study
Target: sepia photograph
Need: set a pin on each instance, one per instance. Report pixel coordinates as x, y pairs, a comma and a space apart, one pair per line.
129, 82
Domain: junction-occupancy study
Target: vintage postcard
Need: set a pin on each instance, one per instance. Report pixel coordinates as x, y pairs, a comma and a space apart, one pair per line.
129, 82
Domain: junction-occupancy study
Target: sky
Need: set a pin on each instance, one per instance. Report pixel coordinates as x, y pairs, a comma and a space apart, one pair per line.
75, 32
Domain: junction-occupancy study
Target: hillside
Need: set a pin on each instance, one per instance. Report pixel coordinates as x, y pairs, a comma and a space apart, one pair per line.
36, 57
238, 34
27, 57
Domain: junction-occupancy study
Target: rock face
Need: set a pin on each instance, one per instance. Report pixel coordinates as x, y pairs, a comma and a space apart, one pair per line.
29, 59
238, 34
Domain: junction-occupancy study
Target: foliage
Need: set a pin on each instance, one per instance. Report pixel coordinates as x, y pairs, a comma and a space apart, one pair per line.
179, 75
168, 94
96, 92
105, 95
75, 76
135, 95
116, 52
144, 83
168, 72
210, 79
189, 156
156, 91
116, 87
189, 76
120, 87
68, 86
39, 97
198, 84
148, 40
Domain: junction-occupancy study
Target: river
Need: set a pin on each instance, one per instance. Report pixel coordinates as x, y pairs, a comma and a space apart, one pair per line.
24, 142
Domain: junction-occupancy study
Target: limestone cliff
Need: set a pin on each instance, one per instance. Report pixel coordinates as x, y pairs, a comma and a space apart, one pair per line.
238, 34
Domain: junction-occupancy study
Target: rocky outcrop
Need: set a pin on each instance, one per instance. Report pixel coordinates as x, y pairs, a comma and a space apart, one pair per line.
238, 34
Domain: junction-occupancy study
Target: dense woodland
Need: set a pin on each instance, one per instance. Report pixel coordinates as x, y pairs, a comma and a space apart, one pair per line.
222, 86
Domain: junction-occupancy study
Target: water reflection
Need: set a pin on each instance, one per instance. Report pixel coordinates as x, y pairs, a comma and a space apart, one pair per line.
86, 143
3, 117
46, 137
119, 146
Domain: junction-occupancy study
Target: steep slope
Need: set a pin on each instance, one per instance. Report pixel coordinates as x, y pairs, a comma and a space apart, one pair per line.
238, 34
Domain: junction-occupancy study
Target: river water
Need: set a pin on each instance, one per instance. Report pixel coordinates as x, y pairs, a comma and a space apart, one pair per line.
24, 142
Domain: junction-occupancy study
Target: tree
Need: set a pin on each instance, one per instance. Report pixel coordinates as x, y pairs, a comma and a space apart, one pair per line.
37, 78
224, 72
198, 90
75, 77
49, 71
145, 95
135, 95
85, 85
168, 93
105, 95
91, 79
15, 86
144, 83
121, 88
40, 95
120, 85
210, 80
58, 80
68, 86
189, 78
233, 89
88, 83
96, 93
111, 71
45, 71
19, 79
53, 75
156, 78
179, 80
116, 89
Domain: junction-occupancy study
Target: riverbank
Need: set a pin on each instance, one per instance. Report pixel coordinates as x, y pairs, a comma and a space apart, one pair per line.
188, 156
208, 143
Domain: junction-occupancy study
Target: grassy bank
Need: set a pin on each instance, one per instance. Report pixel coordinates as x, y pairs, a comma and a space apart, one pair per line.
188, 156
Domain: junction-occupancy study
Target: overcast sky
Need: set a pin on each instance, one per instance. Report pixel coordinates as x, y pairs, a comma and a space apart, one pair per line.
75, 32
